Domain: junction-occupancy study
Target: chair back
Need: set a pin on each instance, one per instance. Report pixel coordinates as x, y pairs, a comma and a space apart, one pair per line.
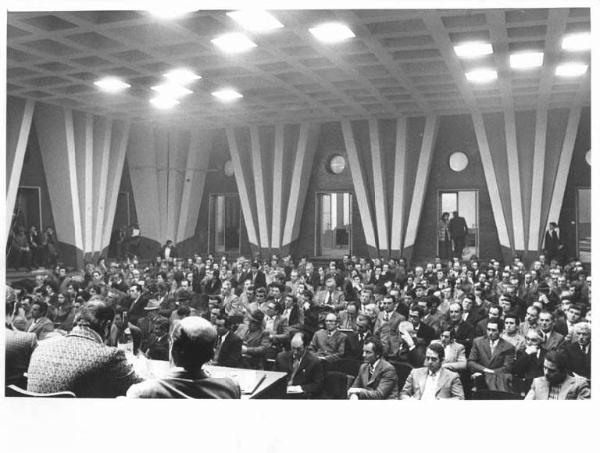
495, 395
346, 366
13, 390
336, 385
403, 369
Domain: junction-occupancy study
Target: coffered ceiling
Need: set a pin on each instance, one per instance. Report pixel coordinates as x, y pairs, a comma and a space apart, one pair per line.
401, 62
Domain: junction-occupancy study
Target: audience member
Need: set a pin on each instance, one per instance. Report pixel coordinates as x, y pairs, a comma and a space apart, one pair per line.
377, 379
556, 384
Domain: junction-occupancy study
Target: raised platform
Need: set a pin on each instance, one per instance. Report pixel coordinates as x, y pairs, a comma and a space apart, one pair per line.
13, 275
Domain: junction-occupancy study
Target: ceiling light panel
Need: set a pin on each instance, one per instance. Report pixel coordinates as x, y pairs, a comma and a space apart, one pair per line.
233, 43
111, 84
332, 32
227, 95
255, 20
171, 11
171, 90
181, 76
526, 60
473, 49
577, 42
163, 102
571, 69
482, 75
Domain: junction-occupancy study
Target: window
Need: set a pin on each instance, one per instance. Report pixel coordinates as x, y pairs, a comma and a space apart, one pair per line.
224, 223
466, 202
334, 224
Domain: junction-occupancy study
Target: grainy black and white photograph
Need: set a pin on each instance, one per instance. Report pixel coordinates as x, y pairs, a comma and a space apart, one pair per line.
298, 204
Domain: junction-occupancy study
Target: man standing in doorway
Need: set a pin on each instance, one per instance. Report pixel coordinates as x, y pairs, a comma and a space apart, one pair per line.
458, 233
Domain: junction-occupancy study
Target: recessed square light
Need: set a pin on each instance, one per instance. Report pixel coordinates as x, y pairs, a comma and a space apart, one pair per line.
483, 75
571, 69
332, 32
181, 76
170, 10
227, 95
233, 43
526, 60
111, 84
171, 90
255, 20
576, 42
473, 49
163, 102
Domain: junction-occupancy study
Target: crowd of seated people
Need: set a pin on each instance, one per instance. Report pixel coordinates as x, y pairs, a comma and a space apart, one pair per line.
29, 248
359, 329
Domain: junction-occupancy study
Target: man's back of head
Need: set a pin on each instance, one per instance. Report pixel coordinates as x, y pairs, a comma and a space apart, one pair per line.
193, 341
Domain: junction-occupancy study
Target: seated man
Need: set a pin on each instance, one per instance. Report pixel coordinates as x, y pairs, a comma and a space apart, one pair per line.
228, 351
556, 384
304, 369
433, 382
405, 347
255, 341
579, 354
530, 361
39, 324
18, 348
192, 342
454, 353
329, 344
377, 379
491, 358
158, 346
80, 362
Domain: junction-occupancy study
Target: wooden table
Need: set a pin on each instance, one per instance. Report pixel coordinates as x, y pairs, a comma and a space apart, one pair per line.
273, 386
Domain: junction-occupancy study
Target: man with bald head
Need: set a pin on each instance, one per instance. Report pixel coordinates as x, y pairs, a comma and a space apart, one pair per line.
192, 345
80, 362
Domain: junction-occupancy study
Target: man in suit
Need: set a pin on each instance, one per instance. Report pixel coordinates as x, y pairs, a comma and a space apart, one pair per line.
463, 331
329, 344
228, 351
80, 362
433, 382
454, 353
304, 369
491, 358
356, 340
259, 280
192, 345
135, 303
552, 340
529, 363
556, 384
495, 312
553, 243
39, 324
18, 348
377, 379
388, 320
231, 303
423, 333
579, 354
255, 341
330, 298
458, 233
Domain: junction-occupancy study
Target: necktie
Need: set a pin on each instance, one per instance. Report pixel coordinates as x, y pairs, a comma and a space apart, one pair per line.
386, 316
328, 301
492, 347
371, 370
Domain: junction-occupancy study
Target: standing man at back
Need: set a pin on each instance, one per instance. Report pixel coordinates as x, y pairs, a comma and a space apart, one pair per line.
458, 233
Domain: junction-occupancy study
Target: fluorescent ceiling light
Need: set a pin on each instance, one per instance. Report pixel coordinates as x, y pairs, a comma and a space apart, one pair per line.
483, 75
255, 20
233, 43
473, 49
577, 42
227, 95
332, 32
571, 69
170, 11
111, 84
181, 76
163, 102
171, 90
526, 60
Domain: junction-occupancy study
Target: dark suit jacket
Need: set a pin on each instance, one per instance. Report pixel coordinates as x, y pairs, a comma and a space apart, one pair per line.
383, 384
426, 333
528, 367
577, 361
458, 227
464, 334
259, 280
135, 308
309, 374
481, 356
19, 346
179, 384
230, 352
